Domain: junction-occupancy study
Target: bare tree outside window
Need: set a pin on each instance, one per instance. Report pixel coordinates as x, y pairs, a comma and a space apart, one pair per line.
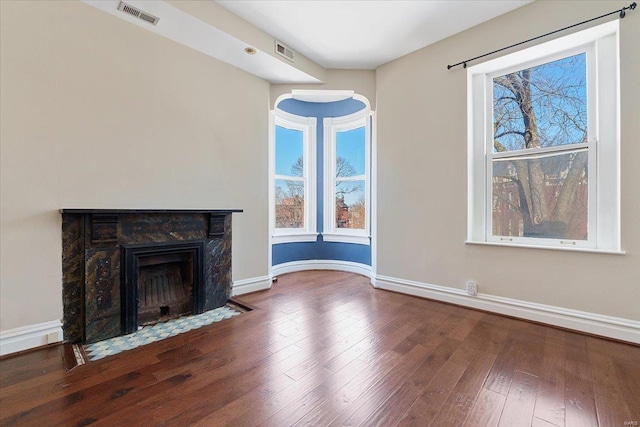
290, 198
541, 193
289, 204
350, 201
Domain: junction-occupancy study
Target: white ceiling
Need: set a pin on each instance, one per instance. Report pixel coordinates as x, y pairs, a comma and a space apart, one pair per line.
364, 34
347, 34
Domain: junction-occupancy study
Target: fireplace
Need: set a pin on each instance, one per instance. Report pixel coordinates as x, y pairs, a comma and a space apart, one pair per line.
161, 282
123, 269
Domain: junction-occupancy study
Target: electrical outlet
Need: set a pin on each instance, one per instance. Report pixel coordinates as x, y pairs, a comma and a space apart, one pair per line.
472, 288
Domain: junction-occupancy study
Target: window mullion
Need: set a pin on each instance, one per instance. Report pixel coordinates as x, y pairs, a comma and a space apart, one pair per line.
290, 178
539, 152
351, 178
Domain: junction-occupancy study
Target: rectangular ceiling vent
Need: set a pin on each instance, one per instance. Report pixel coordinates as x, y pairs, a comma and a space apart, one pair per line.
283, 50
138, 13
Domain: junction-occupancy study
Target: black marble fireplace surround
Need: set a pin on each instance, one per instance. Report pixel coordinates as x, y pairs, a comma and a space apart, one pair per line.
102, 250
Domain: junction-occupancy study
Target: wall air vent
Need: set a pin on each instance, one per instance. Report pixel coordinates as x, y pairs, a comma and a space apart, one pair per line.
138, 13
283, 50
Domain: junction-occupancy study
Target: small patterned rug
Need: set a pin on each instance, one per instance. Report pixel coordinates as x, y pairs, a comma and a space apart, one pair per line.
149, 334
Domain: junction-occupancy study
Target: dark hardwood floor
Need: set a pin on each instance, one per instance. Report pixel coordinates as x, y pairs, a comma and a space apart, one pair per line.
325, 348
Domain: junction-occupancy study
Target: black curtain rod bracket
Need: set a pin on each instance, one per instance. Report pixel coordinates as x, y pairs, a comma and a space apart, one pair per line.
622, 13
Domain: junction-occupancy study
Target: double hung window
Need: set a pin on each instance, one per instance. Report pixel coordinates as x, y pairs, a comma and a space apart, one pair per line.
294, 179
347, 142
543, 145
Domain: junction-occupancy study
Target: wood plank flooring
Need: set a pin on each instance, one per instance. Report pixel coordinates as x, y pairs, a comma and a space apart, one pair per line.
327, 349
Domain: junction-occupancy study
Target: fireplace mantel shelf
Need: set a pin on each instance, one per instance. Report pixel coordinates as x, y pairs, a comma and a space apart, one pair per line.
148, 211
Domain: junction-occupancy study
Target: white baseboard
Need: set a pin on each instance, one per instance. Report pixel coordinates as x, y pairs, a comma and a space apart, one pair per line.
254, 284
598, 324
27, 337
321, 264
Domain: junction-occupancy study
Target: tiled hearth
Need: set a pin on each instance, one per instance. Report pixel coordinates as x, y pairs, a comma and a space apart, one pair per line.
157, 332
104, 251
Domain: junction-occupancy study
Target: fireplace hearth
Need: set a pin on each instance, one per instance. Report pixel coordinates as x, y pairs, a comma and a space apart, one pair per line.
126, 268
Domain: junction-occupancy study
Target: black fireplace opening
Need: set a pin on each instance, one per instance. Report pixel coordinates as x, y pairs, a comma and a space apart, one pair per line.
165, 287
161, 281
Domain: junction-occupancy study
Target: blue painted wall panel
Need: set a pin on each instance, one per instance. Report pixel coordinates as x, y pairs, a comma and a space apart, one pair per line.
288, 252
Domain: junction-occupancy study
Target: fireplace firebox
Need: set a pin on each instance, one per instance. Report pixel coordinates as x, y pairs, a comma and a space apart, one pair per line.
125, 268
161, 282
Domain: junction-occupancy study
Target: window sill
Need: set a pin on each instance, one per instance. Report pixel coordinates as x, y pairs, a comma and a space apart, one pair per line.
553, 248
294, 238
346, 238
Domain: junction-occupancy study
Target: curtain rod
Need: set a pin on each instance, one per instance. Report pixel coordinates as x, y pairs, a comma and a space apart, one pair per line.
622, 13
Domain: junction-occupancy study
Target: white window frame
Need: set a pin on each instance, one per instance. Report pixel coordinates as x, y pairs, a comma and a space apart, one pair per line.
600, 44
307, 125
333, 125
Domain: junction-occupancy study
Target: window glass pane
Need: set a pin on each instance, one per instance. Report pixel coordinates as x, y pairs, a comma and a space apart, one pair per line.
289, 152
541, 106
543, 197
289, 204
350, 152
350, 204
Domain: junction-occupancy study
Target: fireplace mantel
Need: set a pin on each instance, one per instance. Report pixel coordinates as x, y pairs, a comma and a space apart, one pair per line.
93, 245
148, 211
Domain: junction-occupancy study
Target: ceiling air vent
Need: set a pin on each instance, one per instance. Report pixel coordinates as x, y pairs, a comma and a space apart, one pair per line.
137, 13
283, 50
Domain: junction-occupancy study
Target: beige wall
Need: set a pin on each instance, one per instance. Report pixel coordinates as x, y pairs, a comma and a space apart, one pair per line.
363, 82
422, 190
99, 113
